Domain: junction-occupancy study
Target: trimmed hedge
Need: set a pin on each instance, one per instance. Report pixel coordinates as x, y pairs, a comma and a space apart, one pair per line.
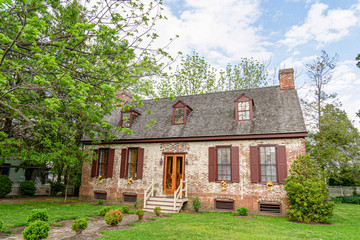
5, 185
36, 230
27, 188
347, 199
38, 214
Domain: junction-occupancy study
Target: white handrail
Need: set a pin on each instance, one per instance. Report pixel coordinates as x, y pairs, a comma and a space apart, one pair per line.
151, 193
179, 192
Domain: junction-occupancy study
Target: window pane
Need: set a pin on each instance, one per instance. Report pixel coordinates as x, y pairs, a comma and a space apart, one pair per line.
179, 111
179, 119
132, 164
268, 164
246, 106
104, 153
223, 155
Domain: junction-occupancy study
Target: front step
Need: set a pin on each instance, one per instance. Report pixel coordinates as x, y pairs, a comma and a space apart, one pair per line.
166, 203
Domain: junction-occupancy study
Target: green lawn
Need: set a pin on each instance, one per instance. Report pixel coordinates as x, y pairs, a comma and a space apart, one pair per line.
344, 225
16, 214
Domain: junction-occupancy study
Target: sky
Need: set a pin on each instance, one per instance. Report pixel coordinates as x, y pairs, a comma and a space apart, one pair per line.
282, 33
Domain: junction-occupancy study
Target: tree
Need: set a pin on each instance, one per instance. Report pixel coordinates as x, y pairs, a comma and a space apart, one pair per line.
337, 146
307, 192
249, 73
195, 75
319, 73
62, 63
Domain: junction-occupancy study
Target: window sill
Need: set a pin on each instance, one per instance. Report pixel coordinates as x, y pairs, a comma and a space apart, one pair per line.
227, 181
274, 183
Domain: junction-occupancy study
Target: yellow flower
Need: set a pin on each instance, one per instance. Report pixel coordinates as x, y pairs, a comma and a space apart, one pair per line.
129, 180
100, 181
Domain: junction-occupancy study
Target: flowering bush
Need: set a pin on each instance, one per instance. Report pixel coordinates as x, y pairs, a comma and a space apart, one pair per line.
113, 217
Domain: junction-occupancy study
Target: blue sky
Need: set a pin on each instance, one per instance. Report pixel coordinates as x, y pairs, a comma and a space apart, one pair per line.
284, 33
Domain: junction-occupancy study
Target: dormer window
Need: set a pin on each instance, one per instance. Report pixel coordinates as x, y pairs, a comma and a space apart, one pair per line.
243, 108
180, 113
128, 117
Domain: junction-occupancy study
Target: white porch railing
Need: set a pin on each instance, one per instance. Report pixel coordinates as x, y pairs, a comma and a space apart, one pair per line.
149, 192
179, 192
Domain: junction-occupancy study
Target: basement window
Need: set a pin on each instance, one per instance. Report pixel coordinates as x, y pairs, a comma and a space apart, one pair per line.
130, 197
224, 205
100, 195
270, 208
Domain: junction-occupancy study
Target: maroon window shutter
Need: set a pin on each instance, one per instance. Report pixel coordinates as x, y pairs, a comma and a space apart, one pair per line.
110, 163
254, 164
212, 164
235, 164
140, 163
281, 163
94, 163
123, 162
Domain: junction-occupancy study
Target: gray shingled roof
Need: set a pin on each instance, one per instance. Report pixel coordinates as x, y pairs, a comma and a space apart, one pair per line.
275, 112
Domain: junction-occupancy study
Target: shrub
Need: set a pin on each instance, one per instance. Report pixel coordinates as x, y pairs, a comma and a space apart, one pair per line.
27, 188
79, 225
100, 202
157, 211
347, 199
135, 204
38, 214
126, 209
56, 187
113, 217
36, 230
140, 213
242, 211
5, 185
307, 192
104, 210
196, 202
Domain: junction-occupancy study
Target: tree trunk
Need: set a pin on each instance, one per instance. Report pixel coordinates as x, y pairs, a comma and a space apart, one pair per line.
66, 190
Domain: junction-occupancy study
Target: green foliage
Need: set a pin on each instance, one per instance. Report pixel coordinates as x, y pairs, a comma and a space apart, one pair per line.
100, 202
104, 210
79, 225
135, 204
140, 213
307, 191
27, 188
36, 230
337, 146
195, 75
196, 202
56, 187
1, 224
113, 217
242, 211
38, 214
125, 209
60, 78
157, 211
5, 185
347, 199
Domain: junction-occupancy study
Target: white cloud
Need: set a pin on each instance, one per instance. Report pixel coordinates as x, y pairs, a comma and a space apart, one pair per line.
322, 25
211, 27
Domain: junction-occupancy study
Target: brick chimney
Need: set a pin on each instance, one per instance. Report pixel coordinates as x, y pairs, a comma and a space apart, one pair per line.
286, 78
123, 96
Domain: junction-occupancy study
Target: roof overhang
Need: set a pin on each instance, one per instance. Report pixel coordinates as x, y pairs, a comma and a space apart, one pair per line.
211, 138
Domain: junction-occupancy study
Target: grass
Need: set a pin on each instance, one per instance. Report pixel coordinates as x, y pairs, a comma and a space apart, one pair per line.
344, 225
16, 214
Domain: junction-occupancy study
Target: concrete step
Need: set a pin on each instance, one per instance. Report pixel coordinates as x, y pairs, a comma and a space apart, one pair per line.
163, 203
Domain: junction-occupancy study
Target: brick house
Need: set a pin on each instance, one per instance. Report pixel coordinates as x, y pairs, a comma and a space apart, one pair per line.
245, 138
